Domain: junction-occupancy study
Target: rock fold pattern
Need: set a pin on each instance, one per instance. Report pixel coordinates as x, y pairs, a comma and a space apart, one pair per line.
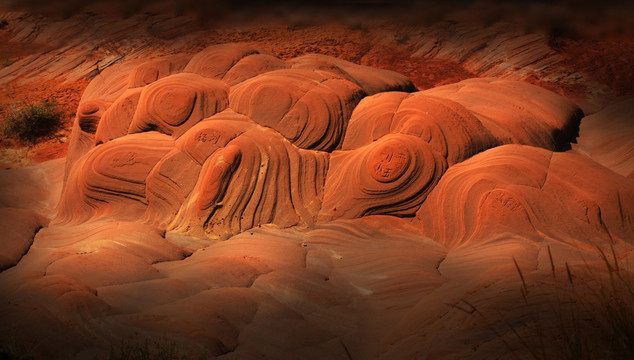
234, 138
360, 219
451, 124
214, 144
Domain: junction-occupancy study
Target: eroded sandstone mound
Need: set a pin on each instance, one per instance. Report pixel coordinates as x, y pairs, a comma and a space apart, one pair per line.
450, 124
517, 189
231, 140
235, 141
359, 218
310, 108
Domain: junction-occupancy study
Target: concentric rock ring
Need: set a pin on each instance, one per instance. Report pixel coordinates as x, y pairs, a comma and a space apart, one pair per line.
310, 108
173, 104
388, 162
390, 176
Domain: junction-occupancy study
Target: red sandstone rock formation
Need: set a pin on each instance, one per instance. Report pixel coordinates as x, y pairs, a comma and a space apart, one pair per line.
166, 150
525, 191
310, 108
449, 124
359, 220
396, 148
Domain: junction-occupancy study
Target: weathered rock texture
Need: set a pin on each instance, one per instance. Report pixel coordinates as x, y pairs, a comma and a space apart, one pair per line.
398, 145
358, 219
516, 189
230, 140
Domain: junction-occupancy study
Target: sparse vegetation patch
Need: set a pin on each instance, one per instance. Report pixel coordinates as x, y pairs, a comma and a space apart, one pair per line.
28, 123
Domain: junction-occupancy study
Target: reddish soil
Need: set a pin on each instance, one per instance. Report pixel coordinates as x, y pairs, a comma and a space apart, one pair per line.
608, 62
66, 96
424, 73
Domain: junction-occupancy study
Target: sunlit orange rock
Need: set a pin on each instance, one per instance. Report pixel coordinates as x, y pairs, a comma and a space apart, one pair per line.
516, 112
250, 134
215, 61
87, 120
110, 179
447, 133
174, 104
392, 175
116, 120
149, 72
258, 178
451, 130
371, 80
310, 108
253, 207
517, 190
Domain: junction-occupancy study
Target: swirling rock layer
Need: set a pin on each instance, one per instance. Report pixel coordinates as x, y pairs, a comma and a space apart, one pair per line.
451, 130
406, 243
174, 104
258, 178
516, 112
390, 176
451, 124
215, 61
310, 108
371, 80
150, 71
110, 179
532, 192
220, 171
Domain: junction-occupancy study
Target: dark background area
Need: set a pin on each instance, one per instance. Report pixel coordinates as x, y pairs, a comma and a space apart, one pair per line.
572, 18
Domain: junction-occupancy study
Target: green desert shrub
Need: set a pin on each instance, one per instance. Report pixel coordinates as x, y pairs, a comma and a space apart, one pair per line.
32, 122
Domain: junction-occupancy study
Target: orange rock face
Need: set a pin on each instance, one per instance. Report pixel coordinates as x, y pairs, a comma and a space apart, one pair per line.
449, 124
511, 190
391, 176
237, 138
355, 212
234, 139
310, 108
